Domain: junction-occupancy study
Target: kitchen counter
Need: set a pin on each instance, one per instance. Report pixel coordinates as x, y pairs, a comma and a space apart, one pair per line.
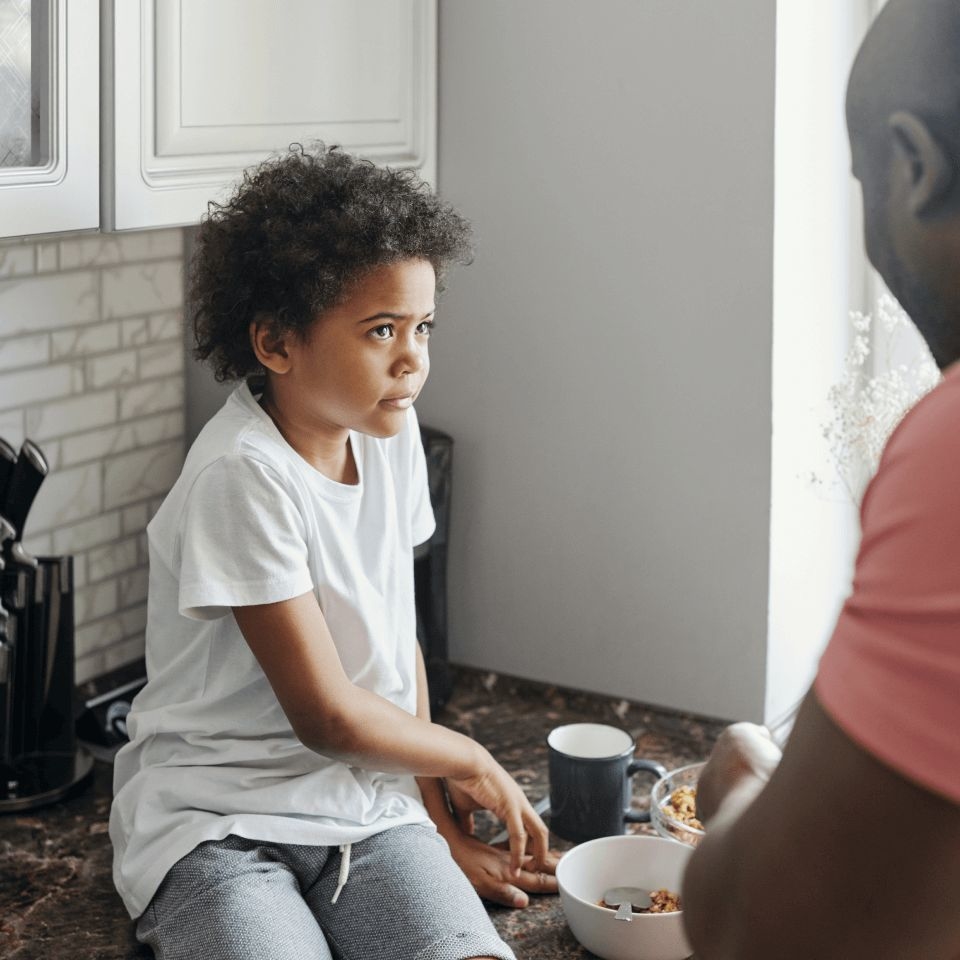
57, 899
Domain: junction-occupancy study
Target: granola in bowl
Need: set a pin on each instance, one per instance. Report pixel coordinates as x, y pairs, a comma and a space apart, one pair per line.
673, 805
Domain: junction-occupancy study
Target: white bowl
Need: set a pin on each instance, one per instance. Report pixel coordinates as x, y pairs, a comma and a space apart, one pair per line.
587, 871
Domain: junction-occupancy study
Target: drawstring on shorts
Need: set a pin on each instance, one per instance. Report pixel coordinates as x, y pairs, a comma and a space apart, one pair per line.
344, 870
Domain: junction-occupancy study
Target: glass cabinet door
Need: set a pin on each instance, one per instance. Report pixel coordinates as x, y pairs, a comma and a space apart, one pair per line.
25, 65
49, 116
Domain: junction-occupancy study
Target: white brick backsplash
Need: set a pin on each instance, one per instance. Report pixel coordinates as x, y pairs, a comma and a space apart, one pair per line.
132, 586
161, 360
163, 426
105, 631
97, 338
145, 398
127, 651
16, 260
132, 289
23, 387
51, 453
152, 245
133, 519
90, 667
79, 570
97, 600
24, 351
89, 252
11, 427
39, 545
47, 257
166, 326
138, 331
108, 561
49, 420
48, 302
134, 620
66, 497
113, 249
141, 474
88, 533
91, 368
96, 444
98, 635
112, 369
135, 331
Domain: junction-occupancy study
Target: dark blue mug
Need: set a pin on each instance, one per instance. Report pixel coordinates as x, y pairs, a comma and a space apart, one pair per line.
591, 766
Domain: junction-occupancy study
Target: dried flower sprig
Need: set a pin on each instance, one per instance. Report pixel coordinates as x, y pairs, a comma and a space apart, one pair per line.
867, 408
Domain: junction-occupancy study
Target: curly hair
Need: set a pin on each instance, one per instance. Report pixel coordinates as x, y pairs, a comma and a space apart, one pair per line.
298, 231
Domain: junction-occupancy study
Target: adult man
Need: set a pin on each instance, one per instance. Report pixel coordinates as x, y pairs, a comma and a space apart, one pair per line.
849, 845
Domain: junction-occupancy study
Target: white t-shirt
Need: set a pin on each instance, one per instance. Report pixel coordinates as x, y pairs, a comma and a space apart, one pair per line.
211, 752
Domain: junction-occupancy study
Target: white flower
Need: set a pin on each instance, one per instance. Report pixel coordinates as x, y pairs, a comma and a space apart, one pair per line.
866, 409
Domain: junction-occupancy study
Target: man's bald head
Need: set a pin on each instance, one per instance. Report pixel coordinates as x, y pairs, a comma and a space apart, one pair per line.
909, 61
903, 114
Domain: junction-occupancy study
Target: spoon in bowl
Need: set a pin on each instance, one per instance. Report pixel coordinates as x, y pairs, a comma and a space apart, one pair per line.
625, 899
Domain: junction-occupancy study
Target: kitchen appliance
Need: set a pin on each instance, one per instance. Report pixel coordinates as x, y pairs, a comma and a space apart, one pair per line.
40, 760
430, 568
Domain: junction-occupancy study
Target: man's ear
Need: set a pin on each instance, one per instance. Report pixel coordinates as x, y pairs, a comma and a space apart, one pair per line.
269, 346
929, 167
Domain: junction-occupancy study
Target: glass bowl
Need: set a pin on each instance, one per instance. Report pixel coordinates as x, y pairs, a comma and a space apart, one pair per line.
660, 812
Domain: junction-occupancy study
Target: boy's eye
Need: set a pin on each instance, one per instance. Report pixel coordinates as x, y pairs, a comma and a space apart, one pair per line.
426, 327
383, 332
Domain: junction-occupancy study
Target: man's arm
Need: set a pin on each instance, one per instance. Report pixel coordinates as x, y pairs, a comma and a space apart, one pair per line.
838, 857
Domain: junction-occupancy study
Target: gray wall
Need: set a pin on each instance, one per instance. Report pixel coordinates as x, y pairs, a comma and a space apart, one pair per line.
605, 363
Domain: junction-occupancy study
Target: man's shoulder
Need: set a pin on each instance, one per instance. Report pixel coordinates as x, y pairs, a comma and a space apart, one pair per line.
933, 419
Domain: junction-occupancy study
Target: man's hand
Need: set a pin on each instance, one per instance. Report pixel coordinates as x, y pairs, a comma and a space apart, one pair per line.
742, 761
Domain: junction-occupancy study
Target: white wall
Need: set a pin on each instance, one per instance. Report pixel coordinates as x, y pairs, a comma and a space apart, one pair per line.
820, 273
604, 365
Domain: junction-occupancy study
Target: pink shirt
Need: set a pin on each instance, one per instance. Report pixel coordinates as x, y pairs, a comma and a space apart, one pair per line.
890, 676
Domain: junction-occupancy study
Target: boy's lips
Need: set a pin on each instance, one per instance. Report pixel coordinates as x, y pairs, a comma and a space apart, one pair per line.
399, 403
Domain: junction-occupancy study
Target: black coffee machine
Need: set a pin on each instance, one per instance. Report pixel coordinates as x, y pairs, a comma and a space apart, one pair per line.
430, 568
40, 760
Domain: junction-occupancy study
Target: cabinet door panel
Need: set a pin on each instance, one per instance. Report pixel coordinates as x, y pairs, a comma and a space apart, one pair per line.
202, 90
49, 128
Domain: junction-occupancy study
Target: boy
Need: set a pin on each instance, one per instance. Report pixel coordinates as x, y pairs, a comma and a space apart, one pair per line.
277, 793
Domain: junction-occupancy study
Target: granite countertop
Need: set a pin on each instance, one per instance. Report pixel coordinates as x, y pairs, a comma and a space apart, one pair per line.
57, 899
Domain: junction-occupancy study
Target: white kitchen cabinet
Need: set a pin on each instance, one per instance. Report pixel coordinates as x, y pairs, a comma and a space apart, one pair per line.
194, 92
49, 108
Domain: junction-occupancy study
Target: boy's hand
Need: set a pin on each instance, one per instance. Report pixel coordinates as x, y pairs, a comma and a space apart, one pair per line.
462, 805
488, 869
495, 790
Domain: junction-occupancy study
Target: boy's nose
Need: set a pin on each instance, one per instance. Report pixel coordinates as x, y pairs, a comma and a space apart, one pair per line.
413, 357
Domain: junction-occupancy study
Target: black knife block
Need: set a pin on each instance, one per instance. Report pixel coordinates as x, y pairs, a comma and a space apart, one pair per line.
430, 568
40, 760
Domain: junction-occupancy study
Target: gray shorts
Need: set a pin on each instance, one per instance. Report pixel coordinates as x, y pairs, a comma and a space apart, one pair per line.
236, 899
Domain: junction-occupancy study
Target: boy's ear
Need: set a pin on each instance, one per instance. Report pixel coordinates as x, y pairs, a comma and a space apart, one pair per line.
269, 346
924, 160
